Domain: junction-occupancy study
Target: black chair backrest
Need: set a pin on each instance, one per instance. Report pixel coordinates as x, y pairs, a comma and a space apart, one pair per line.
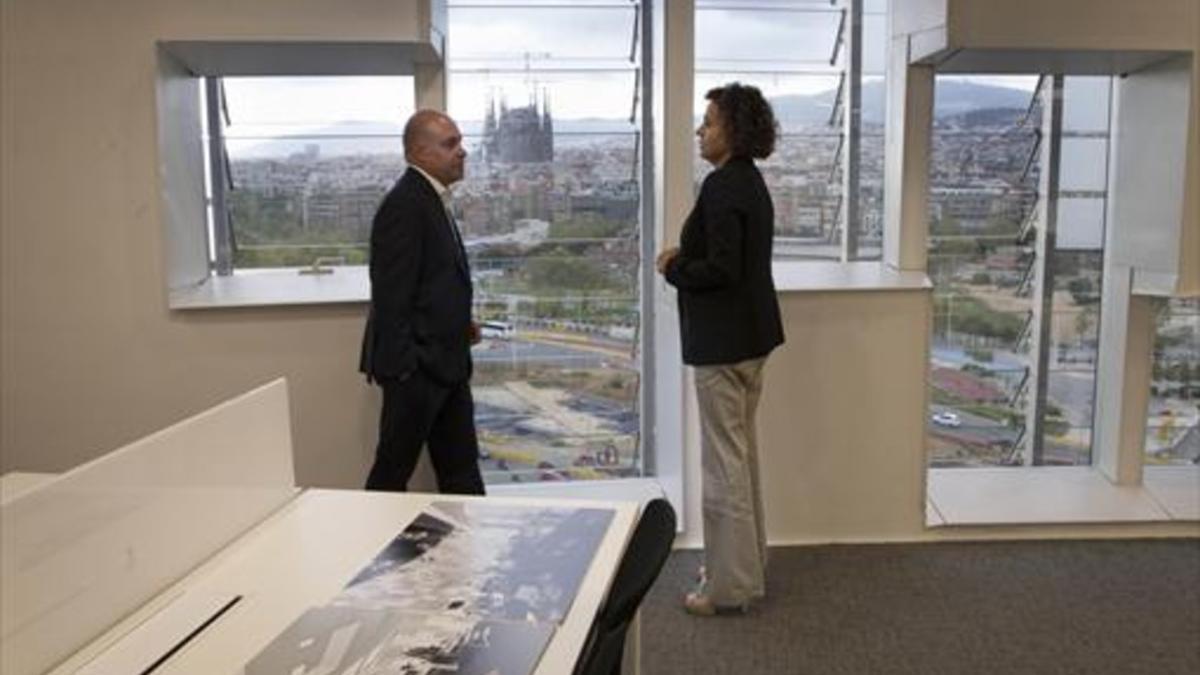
644, 558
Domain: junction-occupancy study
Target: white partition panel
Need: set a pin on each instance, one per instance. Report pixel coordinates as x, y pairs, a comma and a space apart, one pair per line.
84, 550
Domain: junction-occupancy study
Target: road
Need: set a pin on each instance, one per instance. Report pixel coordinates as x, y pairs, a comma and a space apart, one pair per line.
579, 352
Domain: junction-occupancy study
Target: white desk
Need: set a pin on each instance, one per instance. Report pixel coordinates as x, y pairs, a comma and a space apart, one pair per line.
109, 566
300, 558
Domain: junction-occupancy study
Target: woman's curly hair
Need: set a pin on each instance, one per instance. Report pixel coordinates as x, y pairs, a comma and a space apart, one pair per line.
749, 122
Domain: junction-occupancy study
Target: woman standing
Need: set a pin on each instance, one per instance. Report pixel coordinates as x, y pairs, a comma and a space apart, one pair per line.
729, 322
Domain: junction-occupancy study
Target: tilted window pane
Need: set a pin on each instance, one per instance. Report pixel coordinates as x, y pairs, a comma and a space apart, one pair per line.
578, 102
1080, 223
803, 174
765, 39
803, 104
550, 210
1085, 104
1072, 354
299, 199
796, 53
981, 262
978, 377
536, 36
1173, 420
316, 101
309, 160
1084, 164
1077, 267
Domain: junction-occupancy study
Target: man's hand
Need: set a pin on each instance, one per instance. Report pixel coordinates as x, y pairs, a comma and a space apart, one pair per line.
474, 334
665, 258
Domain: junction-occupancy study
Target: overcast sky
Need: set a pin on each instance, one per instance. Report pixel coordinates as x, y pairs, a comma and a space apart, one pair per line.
489, 48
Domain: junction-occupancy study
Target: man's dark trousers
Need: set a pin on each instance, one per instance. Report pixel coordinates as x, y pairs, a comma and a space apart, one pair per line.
418, 410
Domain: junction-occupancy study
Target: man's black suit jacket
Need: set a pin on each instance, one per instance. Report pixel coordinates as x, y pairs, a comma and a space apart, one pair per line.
420, 289
728, 311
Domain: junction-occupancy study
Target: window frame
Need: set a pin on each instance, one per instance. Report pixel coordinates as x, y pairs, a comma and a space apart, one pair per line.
183, 65
643, 72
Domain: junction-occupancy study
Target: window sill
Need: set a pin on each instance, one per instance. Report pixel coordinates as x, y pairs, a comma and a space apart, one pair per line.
1060, 495
350, 284
825, 276
275, 287
1177, 488
639, 490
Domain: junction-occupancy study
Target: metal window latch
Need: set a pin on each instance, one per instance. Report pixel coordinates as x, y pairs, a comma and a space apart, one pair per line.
323, 264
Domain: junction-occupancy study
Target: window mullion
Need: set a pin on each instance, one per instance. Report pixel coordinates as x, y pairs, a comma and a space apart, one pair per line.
1043, 285
852, 131
219, 177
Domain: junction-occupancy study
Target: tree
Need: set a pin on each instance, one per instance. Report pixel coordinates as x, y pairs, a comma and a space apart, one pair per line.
572, 273
1081, 290
1085, 321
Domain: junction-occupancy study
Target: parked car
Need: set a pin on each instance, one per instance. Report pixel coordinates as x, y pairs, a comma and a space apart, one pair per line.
946, 418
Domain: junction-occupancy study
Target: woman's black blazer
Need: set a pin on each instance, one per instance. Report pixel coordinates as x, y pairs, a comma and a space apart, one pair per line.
728, 311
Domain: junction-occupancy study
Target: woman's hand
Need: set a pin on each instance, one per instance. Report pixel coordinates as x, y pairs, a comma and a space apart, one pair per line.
664, 259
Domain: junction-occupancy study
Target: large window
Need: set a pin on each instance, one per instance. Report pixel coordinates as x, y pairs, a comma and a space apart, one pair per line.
1173, 426
301, 164
1016, 286
1070, 344
548, 97
811, 59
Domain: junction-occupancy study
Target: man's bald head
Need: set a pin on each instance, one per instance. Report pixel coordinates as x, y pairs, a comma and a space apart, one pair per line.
420, 126
433, 142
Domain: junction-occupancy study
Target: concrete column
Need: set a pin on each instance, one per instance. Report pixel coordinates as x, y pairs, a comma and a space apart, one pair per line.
1122, 383
679, 131
909, 129
430, 85
676, 445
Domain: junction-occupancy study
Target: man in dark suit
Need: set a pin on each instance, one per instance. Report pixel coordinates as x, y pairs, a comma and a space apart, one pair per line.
419, 332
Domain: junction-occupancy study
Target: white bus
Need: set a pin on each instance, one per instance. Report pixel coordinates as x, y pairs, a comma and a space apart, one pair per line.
498, 330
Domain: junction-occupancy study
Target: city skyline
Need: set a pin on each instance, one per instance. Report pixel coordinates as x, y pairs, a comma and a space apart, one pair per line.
316, 101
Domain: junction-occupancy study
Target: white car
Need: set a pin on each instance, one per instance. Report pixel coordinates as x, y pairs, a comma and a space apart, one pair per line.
946, 419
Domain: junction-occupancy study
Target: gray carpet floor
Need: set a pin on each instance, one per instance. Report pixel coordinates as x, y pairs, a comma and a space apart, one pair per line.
1095, 607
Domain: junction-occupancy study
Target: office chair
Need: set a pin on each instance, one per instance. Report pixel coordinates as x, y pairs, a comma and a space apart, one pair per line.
644, 558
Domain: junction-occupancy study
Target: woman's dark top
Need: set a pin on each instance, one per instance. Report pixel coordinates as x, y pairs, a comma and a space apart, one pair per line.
728, 311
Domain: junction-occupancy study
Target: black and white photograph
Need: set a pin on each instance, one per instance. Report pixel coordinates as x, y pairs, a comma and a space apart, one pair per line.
493, 561
334, 640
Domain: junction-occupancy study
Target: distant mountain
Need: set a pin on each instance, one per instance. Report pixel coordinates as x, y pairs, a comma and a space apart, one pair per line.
986, 117
350, 137
954, 98
950, 99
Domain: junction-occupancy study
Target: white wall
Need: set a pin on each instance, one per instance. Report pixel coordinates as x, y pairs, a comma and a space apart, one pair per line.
1074, 24
842, 418
1050, 24
1189, 246
91, 357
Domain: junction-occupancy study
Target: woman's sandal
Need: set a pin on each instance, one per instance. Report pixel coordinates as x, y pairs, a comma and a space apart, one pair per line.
699, 604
